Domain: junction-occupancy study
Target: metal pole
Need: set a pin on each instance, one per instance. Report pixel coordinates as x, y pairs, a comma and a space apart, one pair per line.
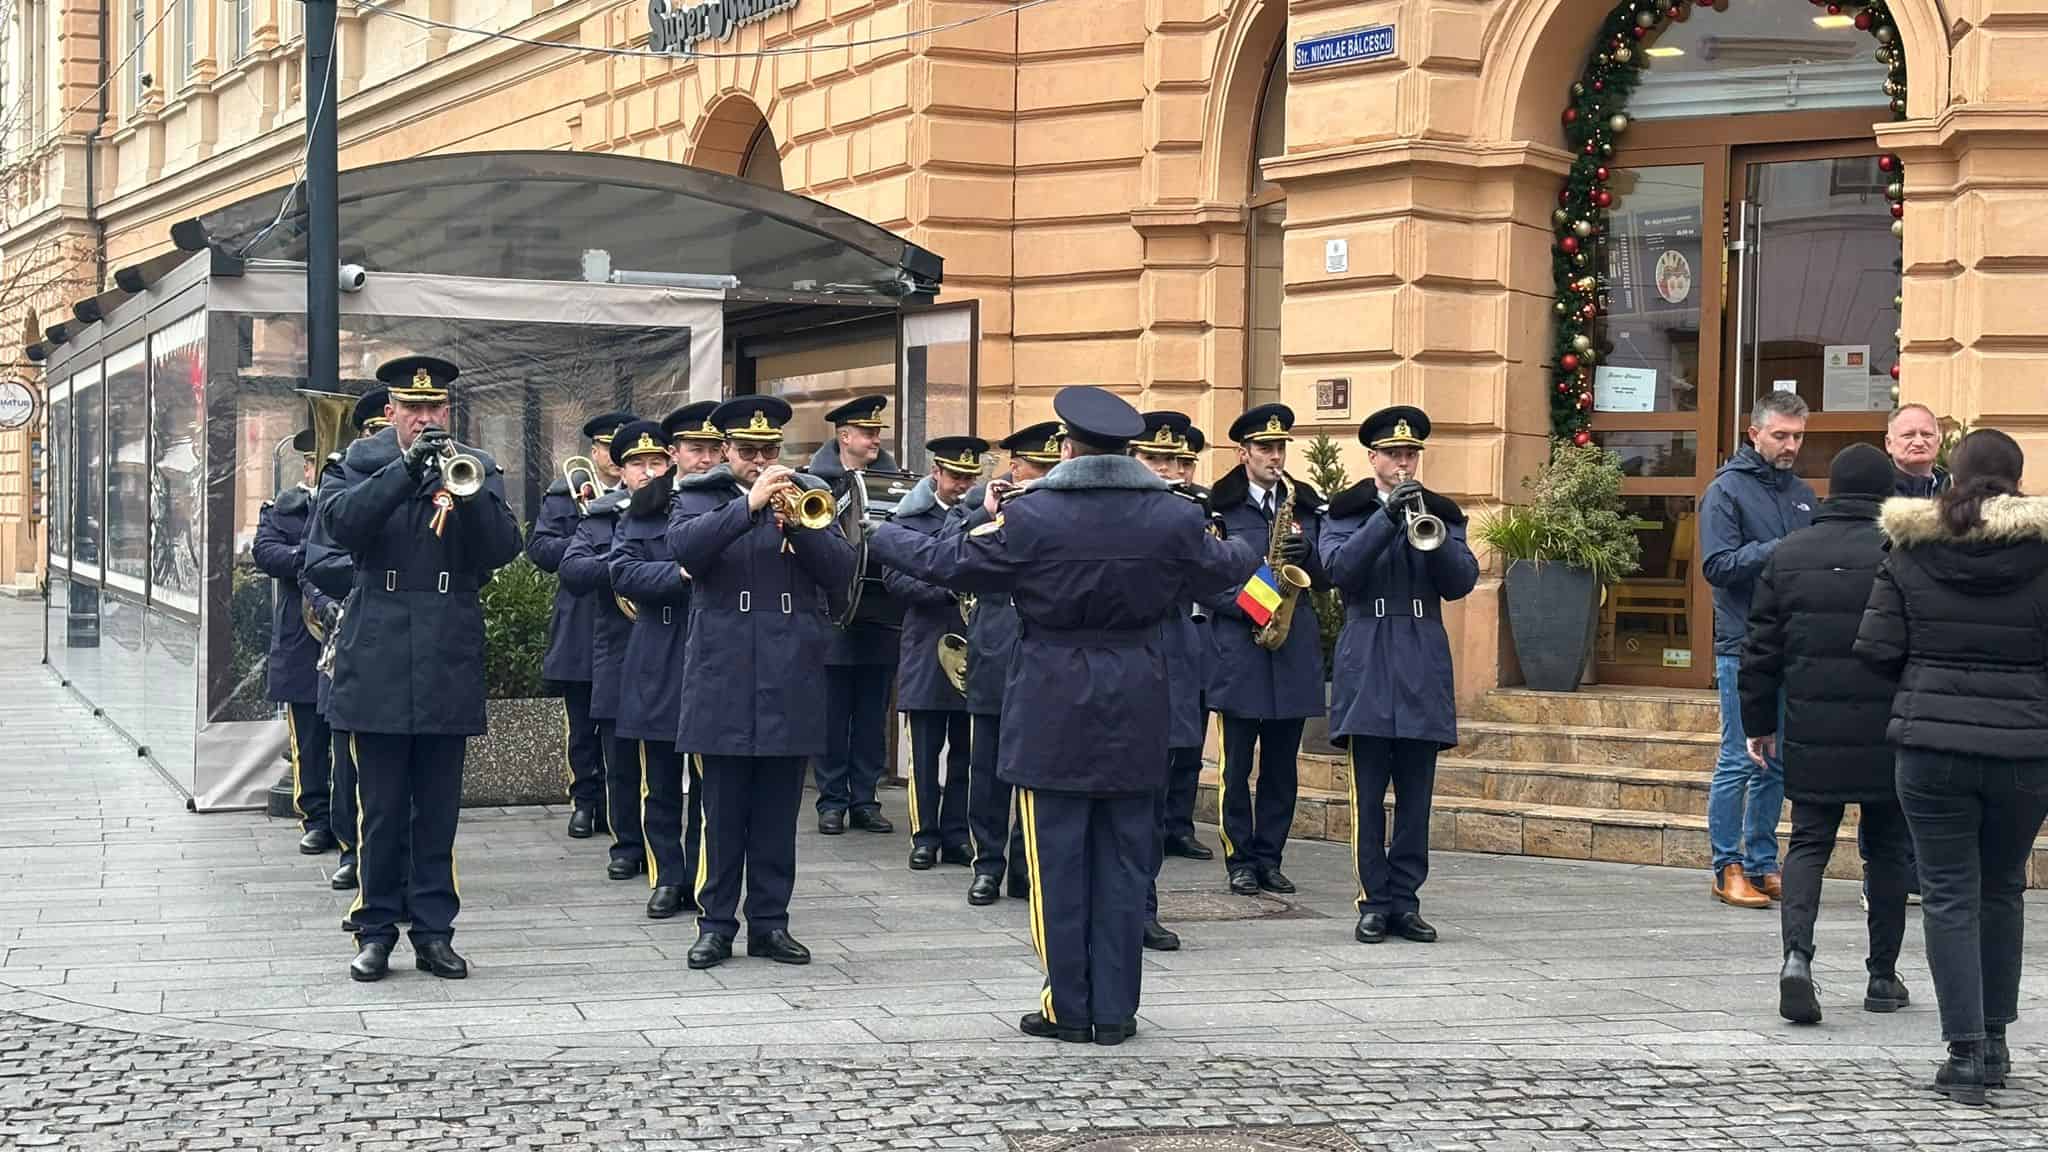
323, 223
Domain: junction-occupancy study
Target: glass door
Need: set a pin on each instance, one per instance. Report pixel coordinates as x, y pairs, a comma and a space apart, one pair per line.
1816, 288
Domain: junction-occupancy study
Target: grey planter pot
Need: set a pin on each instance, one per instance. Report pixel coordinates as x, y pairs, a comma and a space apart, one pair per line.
1551, 613
521, 760
1315, 731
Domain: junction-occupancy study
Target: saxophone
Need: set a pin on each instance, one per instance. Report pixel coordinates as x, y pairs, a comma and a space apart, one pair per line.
1292, 577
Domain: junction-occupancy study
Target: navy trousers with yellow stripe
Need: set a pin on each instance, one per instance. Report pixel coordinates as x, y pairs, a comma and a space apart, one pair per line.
1255, 826
664, 799
938, 810
312, 768
622, 794
407, 786
749, 836
1090, 863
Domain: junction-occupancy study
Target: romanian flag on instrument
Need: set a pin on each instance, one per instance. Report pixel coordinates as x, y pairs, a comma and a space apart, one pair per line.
1260, 596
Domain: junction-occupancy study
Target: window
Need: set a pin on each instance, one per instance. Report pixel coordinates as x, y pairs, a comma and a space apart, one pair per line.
138, 59
33, 75
176, 399
244, 11
58, 514
188, 38
9, 90
89, 469
128, 467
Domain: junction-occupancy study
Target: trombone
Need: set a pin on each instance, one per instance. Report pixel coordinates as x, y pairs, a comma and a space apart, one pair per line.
1425, 529
581, 476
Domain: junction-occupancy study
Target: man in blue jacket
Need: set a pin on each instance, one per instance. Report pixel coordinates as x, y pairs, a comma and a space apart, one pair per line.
289, 672
1755, 501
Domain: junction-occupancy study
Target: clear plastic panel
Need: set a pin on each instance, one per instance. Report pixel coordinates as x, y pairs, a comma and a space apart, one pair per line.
177, 398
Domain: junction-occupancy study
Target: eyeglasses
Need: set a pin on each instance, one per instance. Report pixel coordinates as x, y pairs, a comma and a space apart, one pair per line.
756, 451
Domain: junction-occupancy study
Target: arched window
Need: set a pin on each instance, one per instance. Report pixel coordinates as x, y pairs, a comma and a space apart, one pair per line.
1265, 220
763, 165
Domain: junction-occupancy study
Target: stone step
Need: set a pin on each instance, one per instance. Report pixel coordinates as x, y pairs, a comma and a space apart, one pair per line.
1516, 743
1513, 828
1641, 709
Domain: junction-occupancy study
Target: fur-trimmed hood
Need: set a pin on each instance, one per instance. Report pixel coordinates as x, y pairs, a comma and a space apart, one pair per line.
1914, 523
1363, 498
1084, 472
1234, 488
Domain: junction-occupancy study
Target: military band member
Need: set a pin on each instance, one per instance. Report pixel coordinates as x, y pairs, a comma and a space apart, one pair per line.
753, 673
1263, 696
408, 670
935, 712
991, 651
1097, 555
1391, 695
584, 573
326, 574
1190, 455
289, 672
1184, 773
860, 665
566, 667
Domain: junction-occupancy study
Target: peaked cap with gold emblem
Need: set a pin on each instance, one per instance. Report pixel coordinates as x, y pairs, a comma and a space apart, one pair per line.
418, 379
693, 422
1264, 424
1401, 426
640, 438
1038, 443
756, 419
1166, 434
960, 455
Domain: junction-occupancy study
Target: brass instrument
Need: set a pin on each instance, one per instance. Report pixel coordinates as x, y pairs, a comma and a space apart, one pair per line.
811, 508
311, 619
325, 665
627, 608
952, 650
1292, 577
461, 474
581, 476
1425, 529
331, 416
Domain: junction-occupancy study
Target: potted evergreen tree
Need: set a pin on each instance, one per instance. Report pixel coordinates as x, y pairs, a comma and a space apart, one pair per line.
520, 759
1564, 546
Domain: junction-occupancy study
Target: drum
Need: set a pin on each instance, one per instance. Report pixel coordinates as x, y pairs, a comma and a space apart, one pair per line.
870, 498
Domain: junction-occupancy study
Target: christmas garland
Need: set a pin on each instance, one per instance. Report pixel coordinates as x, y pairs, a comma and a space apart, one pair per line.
1593, 120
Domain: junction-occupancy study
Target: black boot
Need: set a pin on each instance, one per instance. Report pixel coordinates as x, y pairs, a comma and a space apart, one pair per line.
983, 891
344, 878
665, 902
371, 964
1797, 1000
710, 950
1888, 993
316, 841
437, 957
1961, 1077
1160, 938
1997, 1057
582, 822
832, 823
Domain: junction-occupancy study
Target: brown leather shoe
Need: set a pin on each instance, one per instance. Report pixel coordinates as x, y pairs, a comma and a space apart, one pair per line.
1733, 888
1773, 886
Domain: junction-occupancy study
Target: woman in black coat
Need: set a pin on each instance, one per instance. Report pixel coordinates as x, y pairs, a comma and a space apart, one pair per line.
1956, 618
1801, 642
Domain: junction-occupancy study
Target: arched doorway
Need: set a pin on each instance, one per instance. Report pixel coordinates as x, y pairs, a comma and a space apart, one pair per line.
736, 139
1265, 207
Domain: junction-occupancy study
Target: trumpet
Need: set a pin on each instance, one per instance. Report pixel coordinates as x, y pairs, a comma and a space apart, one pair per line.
581, 476
811, 508
1425, 529
461, 474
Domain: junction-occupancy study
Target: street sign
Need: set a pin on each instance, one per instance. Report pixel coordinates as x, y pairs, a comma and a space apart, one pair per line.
1351, 46
17, 405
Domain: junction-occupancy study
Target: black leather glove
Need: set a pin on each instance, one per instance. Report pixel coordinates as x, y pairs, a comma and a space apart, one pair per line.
425, 447
1403, 498
1294, 549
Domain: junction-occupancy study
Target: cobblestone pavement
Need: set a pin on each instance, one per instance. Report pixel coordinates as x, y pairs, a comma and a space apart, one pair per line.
174, 981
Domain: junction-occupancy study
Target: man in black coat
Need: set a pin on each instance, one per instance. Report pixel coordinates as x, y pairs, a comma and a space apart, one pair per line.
289, 672
409, 666
1801, 647
935, 711
1097, 555
566, 667
860, 664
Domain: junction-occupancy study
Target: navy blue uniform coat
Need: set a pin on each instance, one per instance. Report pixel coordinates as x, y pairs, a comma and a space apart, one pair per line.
991, 627
929, 612
864, 643
411, 657
279, 552
644, 571
1096, 556
1393, 671
1245, 680
585, 574
754, 663
569, 630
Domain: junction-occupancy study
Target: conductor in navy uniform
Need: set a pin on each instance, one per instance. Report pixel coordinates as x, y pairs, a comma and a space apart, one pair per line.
934, 710
1097, 555
566, 667
860, 665
289, 672
1392, 699
753, 674
408, 671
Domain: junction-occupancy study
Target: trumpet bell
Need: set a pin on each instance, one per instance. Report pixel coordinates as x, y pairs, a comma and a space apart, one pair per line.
1294, 575
1425, 532
953, 659
461, 474
812, 508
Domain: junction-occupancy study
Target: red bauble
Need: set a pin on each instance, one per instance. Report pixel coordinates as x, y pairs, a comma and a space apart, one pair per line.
1603, 197
1895, 371
1589, 311
1898, 210
1639, 31
1564, 197
1570, 244
1863, 20
1600, 174
1582, 438
1571, 115
1591, 147
1678, 12
1599, 85
1887, 162
1585, 399
1834, 9
1569, 362
1564, 387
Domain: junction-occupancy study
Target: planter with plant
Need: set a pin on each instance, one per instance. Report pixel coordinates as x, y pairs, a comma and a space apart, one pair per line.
1569, 541
519, 760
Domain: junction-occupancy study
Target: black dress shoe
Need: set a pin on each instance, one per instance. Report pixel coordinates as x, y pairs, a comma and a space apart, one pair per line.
664, 902
582, 822
1961, 1077
1035, 1024
344, 878
778, 946
869, 820
438, 957
1372, 927
316, 841
1244, 882
956, 854
1274, 880
984, 891
1888, 994
624, 869
1411, 926
1159, 939
371, 964
1797, 1000
832, 823
710, 950
923, 857
1188, 848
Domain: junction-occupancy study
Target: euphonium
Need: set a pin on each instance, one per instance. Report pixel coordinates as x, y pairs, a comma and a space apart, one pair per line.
811, 508
581, 476
1425, 529
1292, 577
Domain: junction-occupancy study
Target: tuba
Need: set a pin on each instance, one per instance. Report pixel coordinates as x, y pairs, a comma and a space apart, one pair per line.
581, 476
1425, 529
952, 650
1292, 577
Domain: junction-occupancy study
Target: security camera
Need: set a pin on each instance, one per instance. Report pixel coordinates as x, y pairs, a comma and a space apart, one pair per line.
352, 277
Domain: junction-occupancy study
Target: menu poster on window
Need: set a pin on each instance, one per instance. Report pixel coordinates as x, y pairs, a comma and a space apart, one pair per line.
1623, 293
1624, 389
1669, 256
1845, 378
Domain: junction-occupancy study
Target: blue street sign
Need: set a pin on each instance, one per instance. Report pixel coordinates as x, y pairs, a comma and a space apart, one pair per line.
1349, 47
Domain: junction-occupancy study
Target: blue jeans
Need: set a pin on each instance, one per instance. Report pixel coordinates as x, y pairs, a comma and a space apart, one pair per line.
1745, 801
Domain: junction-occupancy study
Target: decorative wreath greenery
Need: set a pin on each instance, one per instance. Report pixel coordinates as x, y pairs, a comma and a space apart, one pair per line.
1595, 116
